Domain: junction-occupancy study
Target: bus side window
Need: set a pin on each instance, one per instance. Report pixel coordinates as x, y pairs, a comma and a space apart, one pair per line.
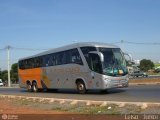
26, 64
50, 60
85, 51
53, 59
40, 61
45, 60
75, 57
31, 63
21, 64
37, 62
60, 58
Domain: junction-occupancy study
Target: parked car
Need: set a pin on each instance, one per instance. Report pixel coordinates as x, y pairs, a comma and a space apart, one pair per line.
1, 83
138, 74
157, 70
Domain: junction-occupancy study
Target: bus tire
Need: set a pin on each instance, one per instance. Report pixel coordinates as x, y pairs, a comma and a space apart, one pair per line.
34, 87
52, 90
81, 88
103, 91
29, 87
40, 90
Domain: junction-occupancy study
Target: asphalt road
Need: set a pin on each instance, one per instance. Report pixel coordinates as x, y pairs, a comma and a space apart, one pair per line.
149, 77
139, 93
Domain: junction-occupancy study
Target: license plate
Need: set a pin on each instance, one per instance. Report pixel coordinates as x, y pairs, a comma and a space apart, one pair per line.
120, 85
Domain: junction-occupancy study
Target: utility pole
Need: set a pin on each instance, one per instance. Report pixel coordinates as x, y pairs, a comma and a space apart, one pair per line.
122, 45
0, 72
8, 60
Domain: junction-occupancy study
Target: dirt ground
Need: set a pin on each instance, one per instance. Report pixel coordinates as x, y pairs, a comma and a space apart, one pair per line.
11, 111
7, 107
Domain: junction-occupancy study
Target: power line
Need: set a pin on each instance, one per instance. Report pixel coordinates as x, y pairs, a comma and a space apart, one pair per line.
115, 43
2, 49
118, 42
28, 49
139, 43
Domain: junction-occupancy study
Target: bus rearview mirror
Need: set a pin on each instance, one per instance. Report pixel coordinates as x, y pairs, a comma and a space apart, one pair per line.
101, 56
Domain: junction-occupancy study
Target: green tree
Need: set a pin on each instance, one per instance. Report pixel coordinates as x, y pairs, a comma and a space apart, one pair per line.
14, 73
4, 75
14, 67
0, 74
146, 65
14, 77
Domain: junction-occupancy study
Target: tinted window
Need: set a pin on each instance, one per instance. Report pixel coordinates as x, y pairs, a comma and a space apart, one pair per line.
53, 60
95, 63
30, 63
75, 57
49, 60
27, 64
86, 50
60, 58
21, 64
37, 62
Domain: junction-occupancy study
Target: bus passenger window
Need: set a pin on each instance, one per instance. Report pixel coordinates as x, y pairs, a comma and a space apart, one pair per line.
45, 60
75, 57
61, 58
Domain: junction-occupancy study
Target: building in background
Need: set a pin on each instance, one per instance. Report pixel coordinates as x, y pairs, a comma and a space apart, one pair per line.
137, 62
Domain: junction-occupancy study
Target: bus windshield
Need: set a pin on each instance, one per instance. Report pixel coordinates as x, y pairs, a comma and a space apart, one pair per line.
114, 62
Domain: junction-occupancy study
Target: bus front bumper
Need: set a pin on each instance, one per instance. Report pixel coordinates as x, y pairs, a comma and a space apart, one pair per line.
114, 83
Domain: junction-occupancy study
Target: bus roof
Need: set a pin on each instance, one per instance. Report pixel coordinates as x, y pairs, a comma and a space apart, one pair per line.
72, 46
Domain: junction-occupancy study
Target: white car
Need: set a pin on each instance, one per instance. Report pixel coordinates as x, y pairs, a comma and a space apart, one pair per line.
1, 83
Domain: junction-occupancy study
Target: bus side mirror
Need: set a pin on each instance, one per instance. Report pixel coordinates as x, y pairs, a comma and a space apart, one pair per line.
95, 60
130, 61
100, 55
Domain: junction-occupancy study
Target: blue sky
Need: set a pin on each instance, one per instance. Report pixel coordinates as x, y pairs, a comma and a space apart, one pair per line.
53, 23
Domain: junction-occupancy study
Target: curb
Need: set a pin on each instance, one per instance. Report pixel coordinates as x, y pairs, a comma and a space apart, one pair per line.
143, 105
9, 87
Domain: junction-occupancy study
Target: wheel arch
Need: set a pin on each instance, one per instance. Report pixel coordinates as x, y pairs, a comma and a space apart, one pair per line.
34, 81
83, 80
28, 82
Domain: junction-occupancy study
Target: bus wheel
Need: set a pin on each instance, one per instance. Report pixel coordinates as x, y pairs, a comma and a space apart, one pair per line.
34, 87
29, 87
52, 90
81, 87
103, 91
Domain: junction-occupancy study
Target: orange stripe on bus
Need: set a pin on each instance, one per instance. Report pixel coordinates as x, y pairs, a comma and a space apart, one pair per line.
31, 74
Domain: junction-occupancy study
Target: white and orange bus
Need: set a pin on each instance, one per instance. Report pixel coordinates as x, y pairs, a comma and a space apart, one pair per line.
80, 66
